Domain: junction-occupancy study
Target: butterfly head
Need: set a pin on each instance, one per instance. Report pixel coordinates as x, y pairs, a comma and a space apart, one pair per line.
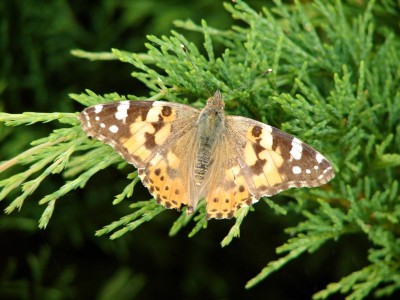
212, 117
216, 102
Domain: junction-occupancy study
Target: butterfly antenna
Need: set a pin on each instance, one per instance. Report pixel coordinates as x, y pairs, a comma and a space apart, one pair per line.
251, 81
266, 72
184, 49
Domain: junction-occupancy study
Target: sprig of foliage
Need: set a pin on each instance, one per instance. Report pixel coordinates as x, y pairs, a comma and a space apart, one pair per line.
146, 210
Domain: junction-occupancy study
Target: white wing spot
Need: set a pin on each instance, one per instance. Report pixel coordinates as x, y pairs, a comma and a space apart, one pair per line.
321, 176
316, 167
154, 112
319, 158
97, 118
122, 110
296, 170
98, 108
102, 125
297, 149
87, 119
113, 129
327, 170
267, 140
308, 171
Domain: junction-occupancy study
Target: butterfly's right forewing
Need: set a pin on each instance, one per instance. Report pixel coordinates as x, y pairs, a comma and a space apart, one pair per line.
274, 160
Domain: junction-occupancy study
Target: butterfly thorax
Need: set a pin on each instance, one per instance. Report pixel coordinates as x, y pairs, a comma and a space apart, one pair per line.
210, 127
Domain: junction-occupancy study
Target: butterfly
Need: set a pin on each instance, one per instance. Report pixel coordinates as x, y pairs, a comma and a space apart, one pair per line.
184, 154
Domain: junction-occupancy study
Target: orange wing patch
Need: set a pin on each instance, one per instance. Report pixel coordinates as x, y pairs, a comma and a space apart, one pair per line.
228, 195
261, 159
220, 203
162, 180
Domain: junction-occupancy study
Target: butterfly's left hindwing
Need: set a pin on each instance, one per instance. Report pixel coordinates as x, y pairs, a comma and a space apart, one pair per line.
147, 134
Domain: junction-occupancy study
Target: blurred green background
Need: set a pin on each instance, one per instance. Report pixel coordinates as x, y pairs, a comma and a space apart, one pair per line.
66, 261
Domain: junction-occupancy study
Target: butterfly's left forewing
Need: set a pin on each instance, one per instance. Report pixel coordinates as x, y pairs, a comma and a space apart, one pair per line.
137, 129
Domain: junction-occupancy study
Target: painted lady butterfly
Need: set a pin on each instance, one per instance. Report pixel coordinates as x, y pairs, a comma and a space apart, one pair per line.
184, 154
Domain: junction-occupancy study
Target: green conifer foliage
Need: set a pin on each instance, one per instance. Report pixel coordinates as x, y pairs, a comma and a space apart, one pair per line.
334, 83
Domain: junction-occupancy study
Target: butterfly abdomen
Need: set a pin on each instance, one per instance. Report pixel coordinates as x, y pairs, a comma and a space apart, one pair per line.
203, 158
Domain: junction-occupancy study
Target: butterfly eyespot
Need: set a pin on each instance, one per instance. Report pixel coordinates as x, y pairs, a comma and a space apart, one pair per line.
166, 111
256, 131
